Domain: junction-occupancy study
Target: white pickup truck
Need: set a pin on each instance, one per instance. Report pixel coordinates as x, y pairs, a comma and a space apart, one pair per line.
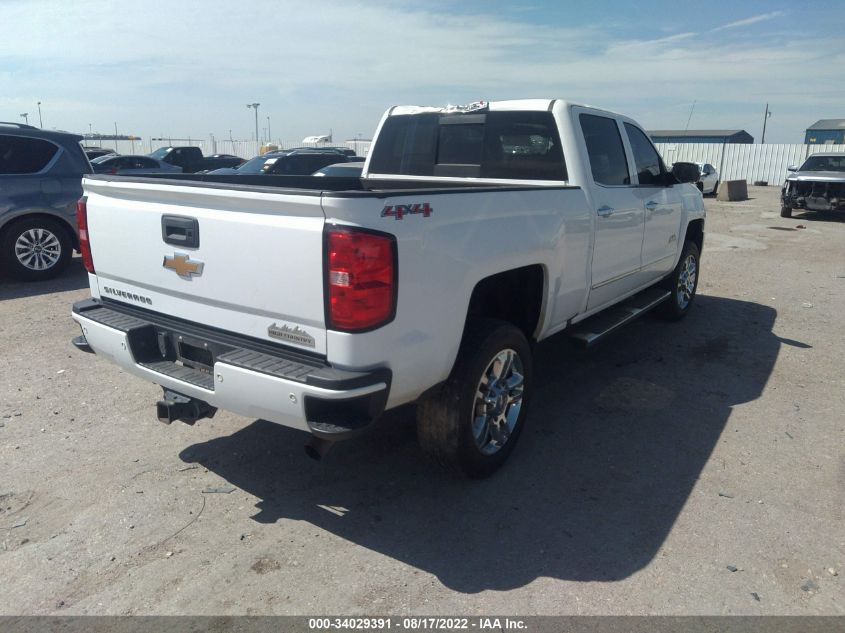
319, 303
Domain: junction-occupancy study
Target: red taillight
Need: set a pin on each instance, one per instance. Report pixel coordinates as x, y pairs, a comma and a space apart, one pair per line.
361, 279
82, 224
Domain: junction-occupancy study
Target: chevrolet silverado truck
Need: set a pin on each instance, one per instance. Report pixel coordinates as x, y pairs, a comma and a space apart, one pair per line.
818, 185
319, 303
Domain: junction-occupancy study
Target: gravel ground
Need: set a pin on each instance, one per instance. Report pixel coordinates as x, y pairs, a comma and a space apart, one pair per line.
689, 468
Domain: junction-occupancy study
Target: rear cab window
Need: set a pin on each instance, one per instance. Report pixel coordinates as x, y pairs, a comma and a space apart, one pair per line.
24, 155
505, 145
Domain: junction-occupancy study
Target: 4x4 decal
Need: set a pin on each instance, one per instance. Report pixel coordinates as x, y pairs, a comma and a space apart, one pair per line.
399, 211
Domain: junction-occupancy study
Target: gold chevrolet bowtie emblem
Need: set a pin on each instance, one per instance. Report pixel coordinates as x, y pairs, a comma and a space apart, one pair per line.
183, 266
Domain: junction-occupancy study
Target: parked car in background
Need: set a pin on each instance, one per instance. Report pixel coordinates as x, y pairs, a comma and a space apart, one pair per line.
40, 182
341, 170
818, 185
709, 182
346, 151
132, 165
297, 162
97, 152
191, 160
303, 162
252, 167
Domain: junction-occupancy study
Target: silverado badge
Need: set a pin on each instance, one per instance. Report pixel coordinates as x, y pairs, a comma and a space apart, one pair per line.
292, 334
183, 266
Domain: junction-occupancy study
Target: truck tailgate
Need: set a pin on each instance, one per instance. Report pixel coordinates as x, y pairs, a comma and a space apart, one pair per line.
257, 269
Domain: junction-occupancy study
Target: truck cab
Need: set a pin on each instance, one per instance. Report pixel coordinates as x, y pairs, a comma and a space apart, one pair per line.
637, 208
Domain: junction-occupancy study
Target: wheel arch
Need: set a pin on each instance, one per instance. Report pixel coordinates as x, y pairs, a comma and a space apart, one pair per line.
695, 233
517, 295
8, 221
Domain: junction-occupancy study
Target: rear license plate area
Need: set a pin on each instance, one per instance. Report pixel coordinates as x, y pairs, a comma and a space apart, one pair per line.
153, 344
195, 355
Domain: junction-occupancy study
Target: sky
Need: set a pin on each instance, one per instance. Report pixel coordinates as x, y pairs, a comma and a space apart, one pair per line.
188, 69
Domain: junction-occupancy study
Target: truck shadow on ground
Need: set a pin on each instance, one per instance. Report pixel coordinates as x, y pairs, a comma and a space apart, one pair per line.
74, 277
616, 439
818, 216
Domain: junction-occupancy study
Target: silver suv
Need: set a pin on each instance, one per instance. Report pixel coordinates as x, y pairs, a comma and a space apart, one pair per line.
40, 181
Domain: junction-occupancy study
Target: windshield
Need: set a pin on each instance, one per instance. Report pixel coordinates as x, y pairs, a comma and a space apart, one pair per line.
101, 159
254, 165
824, 163
161, 152
343, 170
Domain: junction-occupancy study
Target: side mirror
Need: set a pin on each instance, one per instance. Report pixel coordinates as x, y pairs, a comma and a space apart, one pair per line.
792, 168
686, 172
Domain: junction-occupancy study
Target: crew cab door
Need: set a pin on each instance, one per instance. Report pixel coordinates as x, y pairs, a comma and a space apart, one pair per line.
661, 202
619, 212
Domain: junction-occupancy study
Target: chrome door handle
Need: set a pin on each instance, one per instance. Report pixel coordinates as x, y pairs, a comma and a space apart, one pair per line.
651, 205
605, 211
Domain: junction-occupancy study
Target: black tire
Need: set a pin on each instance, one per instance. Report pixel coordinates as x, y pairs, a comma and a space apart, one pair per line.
678, 305
51, 243
445, 417
785, 211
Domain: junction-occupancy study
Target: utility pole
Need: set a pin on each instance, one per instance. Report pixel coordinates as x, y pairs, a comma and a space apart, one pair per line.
25, 117
254, 106
269, 137
40, 120
689, 118
765, 120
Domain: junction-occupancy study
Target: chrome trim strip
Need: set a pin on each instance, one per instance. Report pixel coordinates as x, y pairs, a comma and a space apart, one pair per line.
617, 278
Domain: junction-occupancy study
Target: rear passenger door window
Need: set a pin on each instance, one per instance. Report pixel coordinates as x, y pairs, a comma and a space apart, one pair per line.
22, 155
646, 158
605, 150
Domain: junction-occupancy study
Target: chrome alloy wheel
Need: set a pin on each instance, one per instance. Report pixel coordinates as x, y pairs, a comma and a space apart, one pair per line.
686, 281
38, 249
498, 400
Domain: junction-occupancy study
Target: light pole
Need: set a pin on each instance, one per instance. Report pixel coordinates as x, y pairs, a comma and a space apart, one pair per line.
254, 106
40, 120
269, 137
25, 117
765, 120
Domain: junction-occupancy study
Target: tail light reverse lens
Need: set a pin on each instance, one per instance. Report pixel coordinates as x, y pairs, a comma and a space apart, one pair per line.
82, 224
361, 281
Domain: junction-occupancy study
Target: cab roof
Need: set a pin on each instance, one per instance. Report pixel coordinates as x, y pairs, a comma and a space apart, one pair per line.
538, 105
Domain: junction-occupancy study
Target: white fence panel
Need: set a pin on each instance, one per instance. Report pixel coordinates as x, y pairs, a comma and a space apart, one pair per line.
691, 152
739, 161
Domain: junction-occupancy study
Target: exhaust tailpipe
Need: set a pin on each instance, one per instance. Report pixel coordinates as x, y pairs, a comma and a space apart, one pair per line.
175, 406
317, 447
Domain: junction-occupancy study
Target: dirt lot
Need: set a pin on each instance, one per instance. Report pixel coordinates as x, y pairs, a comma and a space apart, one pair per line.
653, 467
